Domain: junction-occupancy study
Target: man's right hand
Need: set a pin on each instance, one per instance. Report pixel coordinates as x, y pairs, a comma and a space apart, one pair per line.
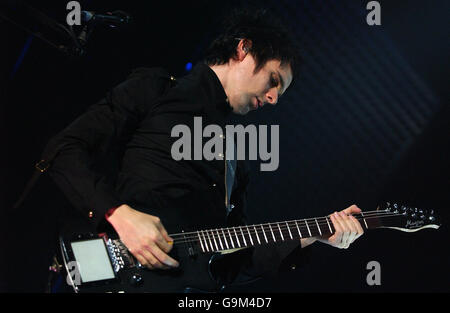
144, 236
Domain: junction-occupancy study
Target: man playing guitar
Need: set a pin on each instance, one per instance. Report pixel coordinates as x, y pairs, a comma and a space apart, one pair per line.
251, 64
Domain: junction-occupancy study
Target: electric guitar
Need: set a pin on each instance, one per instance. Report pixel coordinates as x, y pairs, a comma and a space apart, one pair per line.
102, 263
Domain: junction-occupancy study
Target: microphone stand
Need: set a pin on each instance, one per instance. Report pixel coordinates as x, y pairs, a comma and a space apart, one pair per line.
59, 36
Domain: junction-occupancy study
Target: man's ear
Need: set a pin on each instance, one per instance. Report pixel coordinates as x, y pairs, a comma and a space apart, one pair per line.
243, 48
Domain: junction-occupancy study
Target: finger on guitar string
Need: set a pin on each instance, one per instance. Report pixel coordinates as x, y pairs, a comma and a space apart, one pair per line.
354, 226
164, 233
358, 226
353, 209
163, 240
342, 228
336, 238
347, 229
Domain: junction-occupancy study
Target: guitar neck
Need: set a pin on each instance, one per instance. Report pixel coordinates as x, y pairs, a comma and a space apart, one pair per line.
222, 239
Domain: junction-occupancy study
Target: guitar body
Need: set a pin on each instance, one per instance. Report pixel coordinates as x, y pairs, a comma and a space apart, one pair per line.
197, 271
193, 274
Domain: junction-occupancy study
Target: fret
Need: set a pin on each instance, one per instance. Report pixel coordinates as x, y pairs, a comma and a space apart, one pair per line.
201, 243
289, 229
239, 244
225, 238
267, 241
243, 237
331, 231
318, 227
364, 220
251, 240
220, 240
256, 232
299, 232
272, 233
212, 247
215, 242
231, 238
282, 237
206, 242
307, 226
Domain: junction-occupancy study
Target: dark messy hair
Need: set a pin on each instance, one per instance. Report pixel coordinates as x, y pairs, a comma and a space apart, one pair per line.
270, 40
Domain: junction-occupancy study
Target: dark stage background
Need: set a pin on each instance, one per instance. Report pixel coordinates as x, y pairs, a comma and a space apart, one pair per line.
367, 121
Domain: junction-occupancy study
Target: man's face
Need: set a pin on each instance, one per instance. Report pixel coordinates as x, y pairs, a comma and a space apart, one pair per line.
249, 91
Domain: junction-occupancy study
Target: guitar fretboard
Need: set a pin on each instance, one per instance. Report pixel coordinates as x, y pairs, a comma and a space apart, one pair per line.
221, 239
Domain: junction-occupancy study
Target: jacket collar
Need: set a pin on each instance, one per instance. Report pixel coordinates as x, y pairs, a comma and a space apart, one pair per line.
217, 107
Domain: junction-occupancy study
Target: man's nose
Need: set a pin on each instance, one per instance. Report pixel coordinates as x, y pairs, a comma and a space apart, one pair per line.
272, 96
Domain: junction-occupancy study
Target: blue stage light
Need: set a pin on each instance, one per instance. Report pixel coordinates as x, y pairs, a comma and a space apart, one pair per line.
188, 66
21, 56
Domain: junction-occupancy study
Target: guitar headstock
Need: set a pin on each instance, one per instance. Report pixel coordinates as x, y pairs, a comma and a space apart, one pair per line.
405, 218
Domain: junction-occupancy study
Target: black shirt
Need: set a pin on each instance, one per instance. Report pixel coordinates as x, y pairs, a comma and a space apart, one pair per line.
119, 152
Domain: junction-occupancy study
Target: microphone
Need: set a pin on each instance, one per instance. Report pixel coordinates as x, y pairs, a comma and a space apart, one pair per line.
90, 20
112, 19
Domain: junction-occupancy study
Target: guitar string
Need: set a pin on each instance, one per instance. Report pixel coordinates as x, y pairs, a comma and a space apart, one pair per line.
275, 224
268, 227
275, 229
366, 214
210, 242
212, 235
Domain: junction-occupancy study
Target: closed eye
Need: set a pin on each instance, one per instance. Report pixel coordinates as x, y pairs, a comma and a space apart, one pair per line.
274, 82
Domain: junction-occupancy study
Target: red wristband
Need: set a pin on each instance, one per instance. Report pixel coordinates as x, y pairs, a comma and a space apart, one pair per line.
110, 212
